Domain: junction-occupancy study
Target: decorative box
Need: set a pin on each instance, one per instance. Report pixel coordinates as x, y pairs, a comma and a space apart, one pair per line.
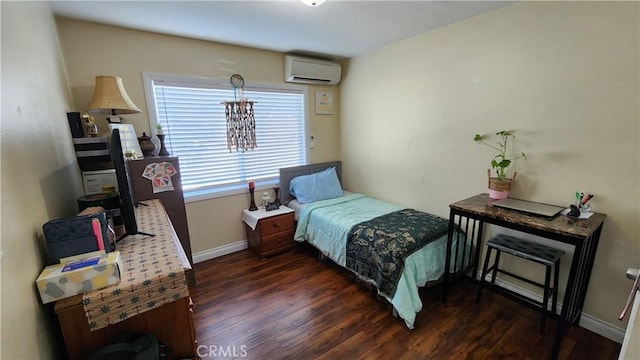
79, 274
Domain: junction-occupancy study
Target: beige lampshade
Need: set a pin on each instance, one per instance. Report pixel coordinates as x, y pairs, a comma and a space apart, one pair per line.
110, 97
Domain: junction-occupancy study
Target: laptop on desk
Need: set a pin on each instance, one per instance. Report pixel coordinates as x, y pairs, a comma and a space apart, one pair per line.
529, 207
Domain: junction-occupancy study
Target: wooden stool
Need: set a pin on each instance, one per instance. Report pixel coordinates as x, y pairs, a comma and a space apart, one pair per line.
545, 255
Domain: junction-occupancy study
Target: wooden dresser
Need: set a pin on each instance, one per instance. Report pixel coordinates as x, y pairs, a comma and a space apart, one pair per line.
166, 313
173, 200
269, 232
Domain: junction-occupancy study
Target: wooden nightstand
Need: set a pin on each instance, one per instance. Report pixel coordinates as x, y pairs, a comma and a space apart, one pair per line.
269, 232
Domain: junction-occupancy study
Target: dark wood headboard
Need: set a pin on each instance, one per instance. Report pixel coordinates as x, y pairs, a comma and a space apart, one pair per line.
286, 174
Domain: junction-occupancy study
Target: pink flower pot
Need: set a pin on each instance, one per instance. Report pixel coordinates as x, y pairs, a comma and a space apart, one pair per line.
495, 194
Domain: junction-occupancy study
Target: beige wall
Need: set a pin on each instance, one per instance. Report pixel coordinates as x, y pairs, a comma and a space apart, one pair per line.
40, 178
91, 49
564, 75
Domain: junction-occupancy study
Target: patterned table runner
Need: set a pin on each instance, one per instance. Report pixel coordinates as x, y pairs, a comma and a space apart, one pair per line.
152, 273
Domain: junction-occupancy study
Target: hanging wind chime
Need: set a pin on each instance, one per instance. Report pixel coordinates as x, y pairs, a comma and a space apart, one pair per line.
241, 125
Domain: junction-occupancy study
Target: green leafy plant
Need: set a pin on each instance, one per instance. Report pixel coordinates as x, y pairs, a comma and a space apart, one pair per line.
500, 162
158, 126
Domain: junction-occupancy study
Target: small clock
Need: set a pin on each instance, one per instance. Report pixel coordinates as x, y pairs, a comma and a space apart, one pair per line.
237, 81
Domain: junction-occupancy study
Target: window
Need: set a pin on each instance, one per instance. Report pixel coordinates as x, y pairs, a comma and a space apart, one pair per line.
192, 116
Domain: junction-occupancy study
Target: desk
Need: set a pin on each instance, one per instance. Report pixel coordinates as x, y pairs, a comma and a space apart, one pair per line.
153, 278
471, 214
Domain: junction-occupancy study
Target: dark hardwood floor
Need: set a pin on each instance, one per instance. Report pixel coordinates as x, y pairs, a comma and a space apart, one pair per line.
292, 306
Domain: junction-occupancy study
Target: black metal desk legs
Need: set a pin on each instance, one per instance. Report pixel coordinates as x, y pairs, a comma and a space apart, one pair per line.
468, 239
447, 261
576, 290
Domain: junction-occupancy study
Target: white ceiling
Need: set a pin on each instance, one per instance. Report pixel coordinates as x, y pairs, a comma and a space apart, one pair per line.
336, 29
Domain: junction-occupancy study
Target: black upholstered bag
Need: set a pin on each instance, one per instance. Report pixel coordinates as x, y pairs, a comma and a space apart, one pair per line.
74, 235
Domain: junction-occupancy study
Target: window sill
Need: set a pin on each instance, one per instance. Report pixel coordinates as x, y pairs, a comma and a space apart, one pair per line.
210, 194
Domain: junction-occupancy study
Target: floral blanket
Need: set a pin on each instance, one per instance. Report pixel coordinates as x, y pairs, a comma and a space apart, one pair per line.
377, 248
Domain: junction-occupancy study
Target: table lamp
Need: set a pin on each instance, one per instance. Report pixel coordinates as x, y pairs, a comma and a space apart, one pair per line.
110, 97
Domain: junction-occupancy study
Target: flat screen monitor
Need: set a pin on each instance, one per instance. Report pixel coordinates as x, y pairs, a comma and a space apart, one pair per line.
127, 202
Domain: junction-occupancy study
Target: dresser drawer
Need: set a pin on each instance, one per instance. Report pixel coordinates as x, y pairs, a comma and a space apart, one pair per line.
277, 241
276, 224
273, 234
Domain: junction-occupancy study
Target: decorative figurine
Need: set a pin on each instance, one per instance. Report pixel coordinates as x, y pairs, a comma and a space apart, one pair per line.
146, 145
272, 206
266, 199
574, 212
90, 127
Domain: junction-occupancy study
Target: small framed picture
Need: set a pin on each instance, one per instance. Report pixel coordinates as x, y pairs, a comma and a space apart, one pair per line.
324, 103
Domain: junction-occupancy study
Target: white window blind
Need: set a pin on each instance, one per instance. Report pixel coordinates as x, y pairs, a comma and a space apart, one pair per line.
193, 120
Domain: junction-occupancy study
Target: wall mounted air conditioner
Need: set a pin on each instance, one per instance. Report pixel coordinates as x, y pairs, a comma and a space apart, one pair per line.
311, 71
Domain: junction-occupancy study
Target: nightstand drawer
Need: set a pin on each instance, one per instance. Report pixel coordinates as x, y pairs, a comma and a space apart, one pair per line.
277, 241
276, 224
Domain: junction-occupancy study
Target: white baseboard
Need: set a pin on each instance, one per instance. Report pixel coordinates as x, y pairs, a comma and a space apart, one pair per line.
602, 328
611, 332
219, 251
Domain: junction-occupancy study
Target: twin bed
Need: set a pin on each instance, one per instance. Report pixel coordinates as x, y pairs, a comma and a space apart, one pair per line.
389, 246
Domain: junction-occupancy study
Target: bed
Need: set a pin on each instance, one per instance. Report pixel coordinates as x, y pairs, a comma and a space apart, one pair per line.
393, 248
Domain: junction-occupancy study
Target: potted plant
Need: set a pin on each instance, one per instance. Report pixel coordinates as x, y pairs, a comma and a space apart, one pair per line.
159, 130
500, 184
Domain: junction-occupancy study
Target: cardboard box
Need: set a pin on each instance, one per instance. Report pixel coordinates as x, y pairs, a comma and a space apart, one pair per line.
79, 274
96, 182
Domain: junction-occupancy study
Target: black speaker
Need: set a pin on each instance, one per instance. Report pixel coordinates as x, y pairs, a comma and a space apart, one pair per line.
75, 124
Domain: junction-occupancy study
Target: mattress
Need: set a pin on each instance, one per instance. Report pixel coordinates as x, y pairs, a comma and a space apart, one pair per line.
325, 224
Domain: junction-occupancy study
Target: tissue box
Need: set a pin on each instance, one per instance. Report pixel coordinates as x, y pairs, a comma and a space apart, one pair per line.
78, 275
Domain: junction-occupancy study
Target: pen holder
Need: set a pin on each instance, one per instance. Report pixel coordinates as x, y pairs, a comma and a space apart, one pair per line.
583, 207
